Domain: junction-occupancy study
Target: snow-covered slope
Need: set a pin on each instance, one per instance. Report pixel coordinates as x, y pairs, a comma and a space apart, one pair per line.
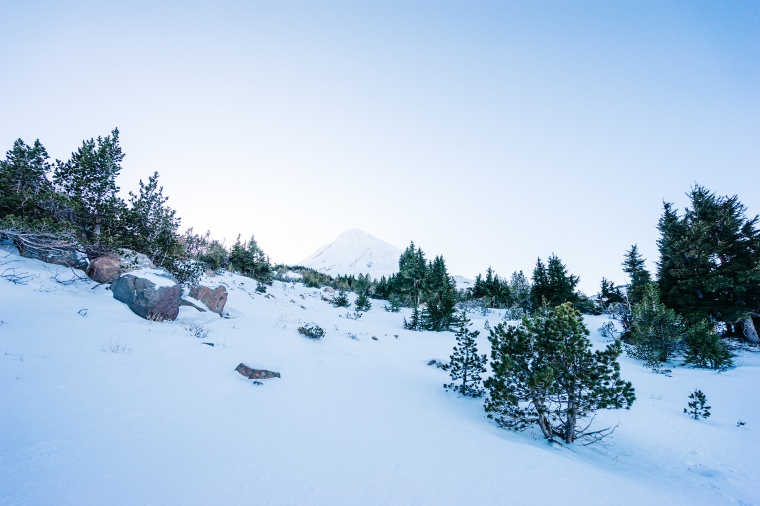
98, 406
355, 252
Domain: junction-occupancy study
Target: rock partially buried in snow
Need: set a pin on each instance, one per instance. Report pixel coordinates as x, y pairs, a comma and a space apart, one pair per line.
255, 373
152, 294
213, 299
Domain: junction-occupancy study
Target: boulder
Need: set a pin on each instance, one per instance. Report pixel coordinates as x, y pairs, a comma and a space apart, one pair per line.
255, 373
131, 260
213, 299
329, 289
152, 294
104, 269
210, 273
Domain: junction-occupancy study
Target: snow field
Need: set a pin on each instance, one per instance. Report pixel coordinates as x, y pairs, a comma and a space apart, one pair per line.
110, 408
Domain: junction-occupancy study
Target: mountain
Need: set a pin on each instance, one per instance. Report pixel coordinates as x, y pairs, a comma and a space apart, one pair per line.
355, 252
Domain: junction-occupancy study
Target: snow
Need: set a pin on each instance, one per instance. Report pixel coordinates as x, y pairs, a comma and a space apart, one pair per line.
157, 276
98, 406
355, 252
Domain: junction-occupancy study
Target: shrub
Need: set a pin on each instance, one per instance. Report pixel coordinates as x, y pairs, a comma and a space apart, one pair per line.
312, 331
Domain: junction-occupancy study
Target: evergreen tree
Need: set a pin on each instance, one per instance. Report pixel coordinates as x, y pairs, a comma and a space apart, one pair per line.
698, 405
409, 282
466, 365
151, 226
656, 332
23, 180
362, 304
249, 259
540, 289
341, 300
440, 298
561, 284
415, 323
88, 181
609, 294
520, 290
634, 266
394, 304
544, 372
709, 264
705, 348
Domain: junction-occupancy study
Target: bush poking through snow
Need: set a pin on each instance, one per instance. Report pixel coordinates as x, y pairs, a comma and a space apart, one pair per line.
312, 331
114, 346
198, 330
698, 405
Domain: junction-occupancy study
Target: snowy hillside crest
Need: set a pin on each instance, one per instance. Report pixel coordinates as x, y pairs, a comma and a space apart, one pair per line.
355, 252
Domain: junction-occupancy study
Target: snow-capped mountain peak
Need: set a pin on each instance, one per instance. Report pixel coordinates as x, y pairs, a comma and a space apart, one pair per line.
355, 252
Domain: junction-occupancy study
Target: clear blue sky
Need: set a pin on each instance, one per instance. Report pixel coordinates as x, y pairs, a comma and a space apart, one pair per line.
488, 132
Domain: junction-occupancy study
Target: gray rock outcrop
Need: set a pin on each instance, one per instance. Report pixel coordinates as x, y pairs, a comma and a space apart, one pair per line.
152, 294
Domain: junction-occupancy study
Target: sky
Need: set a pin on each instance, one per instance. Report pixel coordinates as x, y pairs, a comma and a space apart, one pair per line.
490, 133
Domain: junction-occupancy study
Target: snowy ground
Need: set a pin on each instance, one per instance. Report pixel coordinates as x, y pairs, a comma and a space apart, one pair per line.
100, 407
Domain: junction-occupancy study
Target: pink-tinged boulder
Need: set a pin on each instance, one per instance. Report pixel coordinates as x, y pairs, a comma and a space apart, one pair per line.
213, 299
104, 269
152, 294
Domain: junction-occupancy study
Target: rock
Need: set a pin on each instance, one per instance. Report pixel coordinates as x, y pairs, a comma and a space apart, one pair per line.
131, 260
209, 272
329, 290
67, 255
435, 362
255, 373
104, 269
152, 294
213, 299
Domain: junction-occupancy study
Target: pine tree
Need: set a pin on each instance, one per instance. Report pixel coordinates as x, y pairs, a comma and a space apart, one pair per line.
88, 180
415, 323
250, 260
466, 365
657, 332
440, 298
709, 264
23, 180
394, 304
341, 300
561, 284
705, 348
151, 226
362, 304
409, 282
698, 405
634, 266
545, 373
540, 289
520, 290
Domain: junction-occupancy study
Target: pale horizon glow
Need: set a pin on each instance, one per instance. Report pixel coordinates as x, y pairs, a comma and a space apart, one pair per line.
489, 133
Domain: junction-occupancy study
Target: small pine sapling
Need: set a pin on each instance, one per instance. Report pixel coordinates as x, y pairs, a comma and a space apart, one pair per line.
362, 304
415, 323
341, 300
394, 304
466, 365
698, 405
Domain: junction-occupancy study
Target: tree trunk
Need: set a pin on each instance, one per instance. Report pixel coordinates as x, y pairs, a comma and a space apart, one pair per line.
750, 333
